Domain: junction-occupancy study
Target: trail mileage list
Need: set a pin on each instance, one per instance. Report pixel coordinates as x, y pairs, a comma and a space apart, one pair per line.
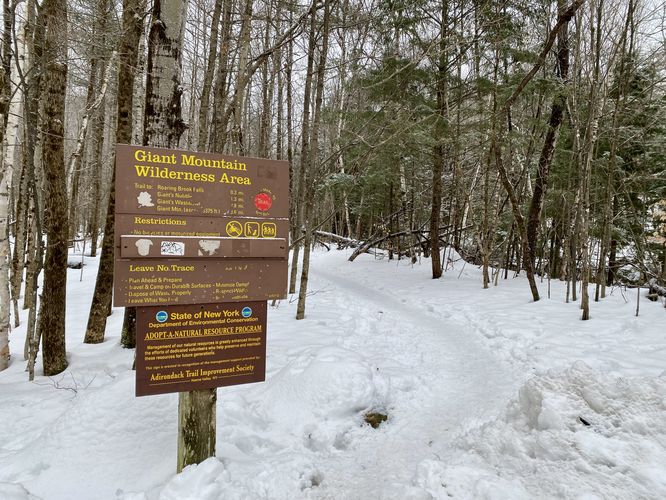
163, 182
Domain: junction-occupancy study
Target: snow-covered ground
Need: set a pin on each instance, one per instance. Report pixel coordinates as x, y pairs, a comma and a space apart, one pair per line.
488, 396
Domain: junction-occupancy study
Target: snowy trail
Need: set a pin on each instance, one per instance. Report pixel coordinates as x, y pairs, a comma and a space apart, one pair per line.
438, 356
457, 382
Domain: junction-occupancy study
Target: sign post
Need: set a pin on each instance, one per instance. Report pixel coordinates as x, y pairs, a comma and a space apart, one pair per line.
200, 246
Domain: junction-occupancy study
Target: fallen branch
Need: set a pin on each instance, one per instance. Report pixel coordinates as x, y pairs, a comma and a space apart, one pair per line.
343, 240
377, 240
314, 230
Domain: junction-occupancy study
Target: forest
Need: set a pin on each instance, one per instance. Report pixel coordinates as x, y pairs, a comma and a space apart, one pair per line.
528, 137
465, 300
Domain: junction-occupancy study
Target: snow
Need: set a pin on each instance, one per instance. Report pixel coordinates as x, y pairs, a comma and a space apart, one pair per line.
543, 444
488, 396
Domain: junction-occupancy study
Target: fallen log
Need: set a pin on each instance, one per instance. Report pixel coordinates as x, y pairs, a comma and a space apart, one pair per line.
343, 240
377, 240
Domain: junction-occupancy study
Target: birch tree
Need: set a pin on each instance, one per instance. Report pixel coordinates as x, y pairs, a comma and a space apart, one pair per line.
5, 187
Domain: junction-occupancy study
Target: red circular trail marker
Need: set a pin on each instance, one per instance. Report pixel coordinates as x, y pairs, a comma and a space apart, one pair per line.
263, 201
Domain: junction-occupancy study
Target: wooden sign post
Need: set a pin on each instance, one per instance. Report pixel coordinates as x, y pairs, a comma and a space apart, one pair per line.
200, 246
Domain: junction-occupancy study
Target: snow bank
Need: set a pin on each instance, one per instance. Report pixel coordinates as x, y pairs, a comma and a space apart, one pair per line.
575, 434
269, 439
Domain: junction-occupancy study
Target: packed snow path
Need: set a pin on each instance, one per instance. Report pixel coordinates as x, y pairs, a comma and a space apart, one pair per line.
444, 359
455, 380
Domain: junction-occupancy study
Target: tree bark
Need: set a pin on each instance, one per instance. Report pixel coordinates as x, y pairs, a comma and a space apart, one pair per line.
242, 79
208, 78
163, 126
219, 128
439, 132
163, 122
197, 427
101, 302
313, 163
17, 105
591, 131
305, 150
550, 142
34, 36
52, 310
498, 136
5, 305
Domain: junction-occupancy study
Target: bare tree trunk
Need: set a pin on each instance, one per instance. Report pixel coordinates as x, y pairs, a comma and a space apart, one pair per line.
439, 129
208, 78
266, 98
34, 24
19, 256
243, 78
8, 16
548, 150
163, 123
96, 171
101, 302
313, 163
33, 40
219, 129
290, 129
562, 20
75, 160
33, 334
277, 72
609, 244
31, 253
75, 171
163, 126
485, 243
139, 69
305, 150
52, 310
589, 145
24, 57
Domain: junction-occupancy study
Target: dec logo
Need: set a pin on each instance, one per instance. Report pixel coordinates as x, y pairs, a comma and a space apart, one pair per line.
246, 312
162, 316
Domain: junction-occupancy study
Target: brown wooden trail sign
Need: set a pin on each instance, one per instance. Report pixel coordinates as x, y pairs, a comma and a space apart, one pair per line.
167, 182
184, 348
146, 282
196, 228
200, 245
